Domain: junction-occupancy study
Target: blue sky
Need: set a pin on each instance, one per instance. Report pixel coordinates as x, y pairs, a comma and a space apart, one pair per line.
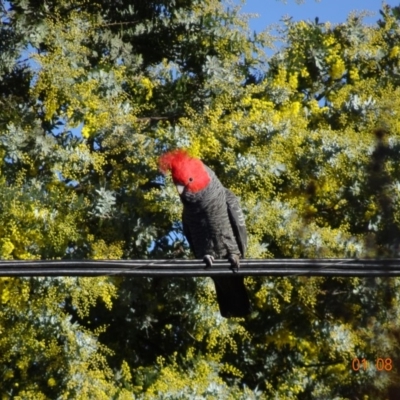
334, 11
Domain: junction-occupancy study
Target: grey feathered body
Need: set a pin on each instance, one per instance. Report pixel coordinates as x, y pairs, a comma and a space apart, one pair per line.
214, 225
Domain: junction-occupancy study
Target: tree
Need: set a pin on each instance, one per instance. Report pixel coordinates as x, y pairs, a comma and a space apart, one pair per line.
308, 139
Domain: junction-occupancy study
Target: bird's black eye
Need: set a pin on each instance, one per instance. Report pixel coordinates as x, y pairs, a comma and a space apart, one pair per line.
190, 179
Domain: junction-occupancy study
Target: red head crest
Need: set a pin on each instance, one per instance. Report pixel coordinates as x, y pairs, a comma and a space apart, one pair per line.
186, 171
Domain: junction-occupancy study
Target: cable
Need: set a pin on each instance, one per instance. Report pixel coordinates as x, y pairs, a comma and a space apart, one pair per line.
191, 268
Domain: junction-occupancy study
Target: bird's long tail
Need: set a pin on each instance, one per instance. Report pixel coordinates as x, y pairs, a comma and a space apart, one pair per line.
232, 296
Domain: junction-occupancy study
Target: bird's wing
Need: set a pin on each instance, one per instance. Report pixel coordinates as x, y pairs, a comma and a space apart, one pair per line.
186, 232
237, 221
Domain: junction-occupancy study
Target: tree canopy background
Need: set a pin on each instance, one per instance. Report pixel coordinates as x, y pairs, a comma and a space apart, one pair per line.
308, 138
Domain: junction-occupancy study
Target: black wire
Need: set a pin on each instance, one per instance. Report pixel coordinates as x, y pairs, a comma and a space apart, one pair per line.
189, 268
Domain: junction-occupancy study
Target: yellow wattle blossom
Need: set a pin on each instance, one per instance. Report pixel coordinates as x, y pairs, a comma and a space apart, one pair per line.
354, 74
261, 297
314, 107
394, 52
148, 85
293, 81
5, 295
337, 69
280, 78
93, 122
295, 107
329, 40
8, 375
304, 73
231, 370
6, 248
302, 25
126, 371
51, 382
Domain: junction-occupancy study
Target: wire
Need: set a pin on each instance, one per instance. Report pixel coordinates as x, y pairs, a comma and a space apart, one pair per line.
191, 268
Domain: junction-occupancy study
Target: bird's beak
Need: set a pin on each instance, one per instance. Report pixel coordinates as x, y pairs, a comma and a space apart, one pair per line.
180, 189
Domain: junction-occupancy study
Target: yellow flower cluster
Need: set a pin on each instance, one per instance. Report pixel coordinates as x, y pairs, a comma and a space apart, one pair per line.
394, 52
315, 108
51, 382
280, 77
276, 305
232, 370
304, 73
354, 76
148, 86
337, 66
329, 40
126, 371
92, 122
5, 290
261, 297
293, 81
6, 248
89, 290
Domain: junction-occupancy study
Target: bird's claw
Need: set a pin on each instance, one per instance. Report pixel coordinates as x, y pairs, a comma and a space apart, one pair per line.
234, 261
208, 259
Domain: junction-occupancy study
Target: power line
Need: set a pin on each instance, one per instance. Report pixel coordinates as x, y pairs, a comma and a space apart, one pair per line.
191, 268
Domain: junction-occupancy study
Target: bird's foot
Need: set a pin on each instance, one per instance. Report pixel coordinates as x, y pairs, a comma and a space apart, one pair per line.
208, 259
235, 263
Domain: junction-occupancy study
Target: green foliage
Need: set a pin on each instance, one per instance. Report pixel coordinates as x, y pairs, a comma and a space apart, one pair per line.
310, 141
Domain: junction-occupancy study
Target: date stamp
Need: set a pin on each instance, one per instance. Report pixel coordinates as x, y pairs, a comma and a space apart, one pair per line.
381, 364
